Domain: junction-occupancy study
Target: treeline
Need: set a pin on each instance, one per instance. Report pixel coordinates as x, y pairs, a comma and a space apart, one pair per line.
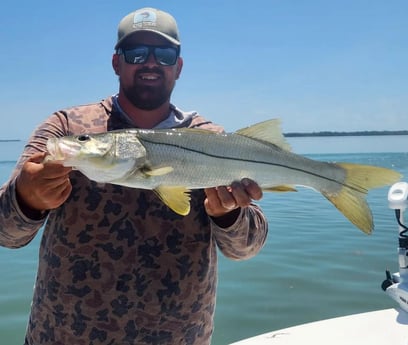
345, 134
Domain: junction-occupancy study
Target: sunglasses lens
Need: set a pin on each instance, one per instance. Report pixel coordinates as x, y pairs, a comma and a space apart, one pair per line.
136, 55
165, 56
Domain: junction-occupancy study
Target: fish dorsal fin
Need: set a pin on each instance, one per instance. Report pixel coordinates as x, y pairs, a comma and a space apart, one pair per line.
268, 131
176, 198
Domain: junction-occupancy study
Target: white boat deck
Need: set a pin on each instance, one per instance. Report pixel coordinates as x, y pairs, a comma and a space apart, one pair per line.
383, 327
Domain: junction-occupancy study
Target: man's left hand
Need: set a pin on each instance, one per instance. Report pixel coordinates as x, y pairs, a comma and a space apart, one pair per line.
223, 200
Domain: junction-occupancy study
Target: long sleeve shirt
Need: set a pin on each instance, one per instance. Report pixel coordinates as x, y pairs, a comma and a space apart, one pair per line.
116, 266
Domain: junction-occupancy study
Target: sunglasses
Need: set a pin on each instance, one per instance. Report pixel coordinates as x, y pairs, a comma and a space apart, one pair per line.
164, 55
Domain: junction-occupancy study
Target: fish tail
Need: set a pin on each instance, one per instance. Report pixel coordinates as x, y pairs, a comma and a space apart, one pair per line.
351, 199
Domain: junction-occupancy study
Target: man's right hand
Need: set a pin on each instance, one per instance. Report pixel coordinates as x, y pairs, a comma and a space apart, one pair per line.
42, 186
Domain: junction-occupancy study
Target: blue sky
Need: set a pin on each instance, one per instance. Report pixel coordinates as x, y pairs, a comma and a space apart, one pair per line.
317, 65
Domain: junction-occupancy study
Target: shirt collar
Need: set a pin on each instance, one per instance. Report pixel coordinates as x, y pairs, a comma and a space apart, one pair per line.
176, 117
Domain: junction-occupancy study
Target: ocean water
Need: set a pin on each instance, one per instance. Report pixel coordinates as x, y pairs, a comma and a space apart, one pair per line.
315, 264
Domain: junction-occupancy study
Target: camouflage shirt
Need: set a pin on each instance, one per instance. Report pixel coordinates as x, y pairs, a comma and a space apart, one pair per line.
116, 266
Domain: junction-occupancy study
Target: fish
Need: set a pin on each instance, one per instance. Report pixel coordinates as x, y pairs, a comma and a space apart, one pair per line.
172, 162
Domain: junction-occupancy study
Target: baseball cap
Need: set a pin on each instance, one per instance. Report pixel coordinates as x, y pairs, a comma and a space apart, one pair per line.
148, 19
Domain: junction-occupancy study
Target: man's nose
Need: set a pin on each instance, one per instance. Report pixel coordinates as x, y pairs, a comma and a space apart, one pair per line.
151, 60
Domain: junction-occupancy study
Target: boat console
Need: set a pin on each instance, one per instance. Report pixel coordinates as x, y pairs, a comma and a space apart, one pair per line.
396, 284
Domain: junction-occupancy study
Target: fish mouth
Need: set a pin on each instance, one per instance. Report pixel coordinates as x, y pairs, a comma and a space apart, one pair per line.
61, 150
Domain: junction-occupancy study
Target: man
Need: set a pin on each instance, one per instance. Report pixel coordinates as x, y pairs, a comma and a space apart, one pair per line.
116, 266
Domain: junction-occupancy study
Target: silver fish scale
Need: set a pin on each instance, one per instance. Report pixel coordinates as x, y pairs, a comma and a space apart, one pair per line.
202, 159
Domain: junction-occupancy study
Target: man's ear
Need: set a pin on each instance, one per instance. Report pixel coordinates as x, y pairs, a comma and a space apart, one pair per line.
115, 63
179, 66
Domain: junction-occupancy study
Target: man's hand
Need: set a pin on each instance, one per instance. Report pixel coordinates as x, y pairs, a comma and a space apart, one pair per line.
223, 200
42, 186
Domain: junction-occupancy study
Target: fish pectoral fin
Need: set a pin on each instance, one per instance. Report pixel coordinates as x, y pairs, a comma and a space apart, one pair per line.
176, 198
280, 189
158, 171
268, 131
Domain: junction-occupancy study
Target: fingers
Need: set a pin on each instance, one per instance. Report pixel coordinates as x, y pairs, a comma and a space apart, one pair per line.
53, 188
216, 203
43, 186
224, 197
54, 170
37, 157
252, 189
221, 200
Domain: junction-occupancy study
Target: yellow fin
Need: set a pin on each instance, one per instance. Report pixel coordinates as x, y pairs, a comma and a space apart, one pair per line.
351, 198
176, 198
159, 171
282, 188
268, 131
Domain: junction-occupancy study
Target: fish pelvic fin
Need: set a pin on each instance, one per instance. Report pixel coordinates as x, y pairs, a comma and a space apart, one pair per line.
280, 189
176, 198
268, 131
351, 200
158, 171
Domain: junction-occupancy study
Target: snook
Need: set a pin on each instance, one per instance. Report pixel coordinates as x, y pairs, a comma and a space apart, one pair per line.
173, 161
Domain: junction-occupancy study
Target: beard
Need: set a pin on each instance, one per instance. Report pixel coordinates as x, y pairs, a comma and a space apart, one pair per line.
147, 97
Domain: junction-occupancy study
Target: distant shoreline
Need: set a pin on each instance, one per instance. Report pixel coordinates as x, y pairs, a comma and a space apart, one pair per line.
8, 140
344, 134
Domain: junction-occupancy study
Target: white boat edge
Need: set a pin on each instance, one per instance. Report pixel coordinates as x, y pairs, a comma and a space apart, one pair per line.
381, 327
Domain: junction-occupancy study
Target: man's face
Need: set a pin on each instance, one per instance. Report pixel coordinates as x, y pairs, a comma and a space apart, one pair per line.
146, 85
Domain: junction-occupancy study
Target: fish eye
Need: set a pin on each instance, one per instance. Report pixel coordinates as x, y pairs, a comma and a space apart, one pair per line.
83, 137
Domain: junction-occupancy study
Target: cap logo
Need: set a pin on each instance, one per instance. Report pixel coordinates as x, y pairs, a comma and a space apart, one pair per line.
144, 19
